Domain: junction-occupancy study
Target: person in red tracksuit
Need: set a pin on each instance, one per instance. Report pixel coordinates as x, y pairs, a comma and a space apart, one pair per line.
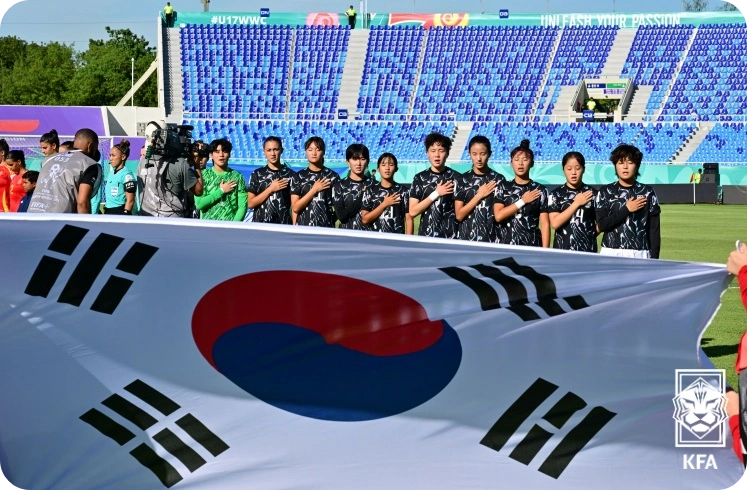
737, 265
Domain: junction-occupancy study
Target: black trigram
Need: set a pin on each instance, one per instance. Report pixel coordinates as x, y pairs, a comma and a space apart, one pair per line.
143, 420
537, 437
88, 268
518, 298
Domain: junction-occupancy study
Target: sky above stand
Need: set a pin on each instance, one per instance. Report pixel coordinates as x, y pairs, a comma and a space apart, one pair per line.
75, 22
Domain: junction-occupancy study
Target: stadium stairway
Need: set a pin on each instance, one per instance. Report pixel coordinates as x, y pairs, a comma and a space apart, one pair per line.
691, 144
352, 73
418, 72
172, 74
563, 105
637, 107
676, 72
544, 86
618, 53
460, 138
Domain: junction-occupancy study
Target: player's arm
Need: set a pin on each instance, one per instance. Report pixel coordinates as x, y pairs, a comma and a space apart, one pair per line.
417, 207
242, 199
545, 229
608, 220
501, 211
85, 188
654, 235
299, 203
463, 209
129, 188
257, 199
369, 217
203, 202
409, 225
345, 209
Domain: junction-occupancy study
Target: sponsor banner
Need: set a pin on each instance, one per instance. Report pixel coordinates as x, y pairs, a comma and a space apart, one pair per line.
164, 353
623, 20
37, 120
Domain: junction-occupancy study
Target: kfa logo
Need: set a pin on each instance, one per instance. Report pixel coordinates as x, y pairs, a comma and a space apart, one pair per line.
547, 302
137, 411
536, 438
699, 408
88, 269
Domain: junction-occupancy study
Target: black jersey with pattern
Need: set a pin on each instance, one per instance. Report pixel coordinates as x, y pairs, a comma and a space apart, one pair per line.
321, 210
277, 207
580, 232
523, 228
347, 195
439, 219
633, 233
479, 225
392, 220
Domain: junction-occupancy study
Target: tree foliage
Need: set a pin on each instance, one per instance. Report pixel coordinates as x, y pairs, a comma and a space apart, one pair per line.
695, 5
54, 74
727, 7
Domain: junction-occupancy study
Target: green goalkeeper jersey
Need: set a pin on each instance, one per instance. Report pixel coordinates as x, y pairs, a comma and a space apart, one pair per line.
214, 204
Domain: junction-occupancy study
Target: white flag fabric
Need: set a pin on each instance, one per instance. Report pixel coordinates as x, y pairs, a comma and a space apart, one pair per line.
157, 353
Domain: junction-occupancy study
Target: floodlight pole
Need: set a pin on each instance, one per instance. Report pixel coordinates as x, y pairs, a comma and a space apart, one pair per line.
132, 83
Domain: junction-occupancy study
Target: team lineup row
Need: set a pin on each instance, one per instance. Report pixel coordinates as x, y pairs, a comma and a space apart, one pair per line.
479, 205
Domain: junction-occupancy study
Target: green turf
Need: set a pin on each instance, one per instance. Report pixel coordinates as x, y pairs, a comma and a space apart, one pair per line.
706, 233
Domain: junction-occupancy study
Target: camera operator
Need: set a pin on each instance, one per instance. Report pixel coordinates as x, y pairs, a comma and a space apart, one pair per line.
166, 175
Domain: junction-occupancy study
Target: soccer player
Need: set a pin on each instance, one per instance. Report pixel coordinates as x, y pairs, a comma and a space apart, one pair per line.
347, 193
17, 161
572, 208
627, 211
269, 186
432, 191
385, 205
473, 199
311, 188
5, 175
49, 143
120, 183
522, 205
29, 184
224, 195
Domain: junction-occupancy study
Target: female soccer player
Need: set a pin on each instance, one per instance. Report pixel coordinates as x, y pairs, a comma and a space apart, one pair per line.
49, 143
5, 175
523, 204
311, 188
120, 183
224, 195
269, 186
432, 191
385, 205
627, 211
572, 208
347, 193
473, 199
17, 169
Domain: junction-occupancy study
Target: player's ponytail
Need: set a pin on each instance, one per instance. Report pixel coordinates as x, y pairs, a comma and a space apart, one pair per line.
524, 148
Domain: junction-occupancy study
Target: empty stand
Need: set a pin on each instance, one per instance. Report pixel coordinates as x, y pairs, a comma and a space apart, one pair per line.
712, 82
726, 143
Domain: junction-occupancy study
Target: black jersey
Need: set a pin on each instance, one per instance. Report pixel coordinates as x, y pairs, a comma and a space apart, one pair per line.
439, 219
580, 232
321, 210
625, 230
277, 207
523, 228
392, 220
347, 195
479, 225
